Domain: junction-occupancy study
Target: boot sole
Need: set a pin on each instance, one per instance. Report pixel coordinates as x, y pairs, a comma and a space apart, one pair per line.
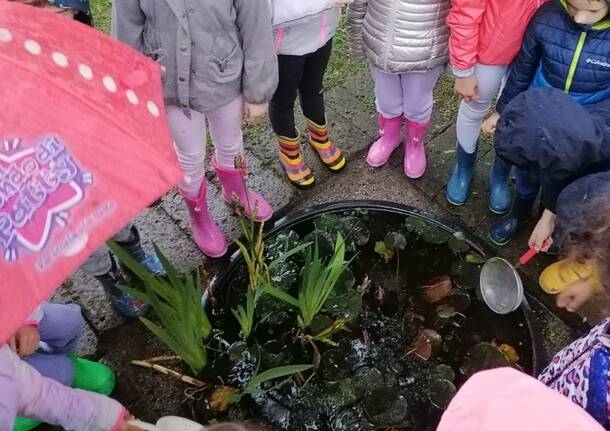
213, 256
498, 243
496, 212
455, 204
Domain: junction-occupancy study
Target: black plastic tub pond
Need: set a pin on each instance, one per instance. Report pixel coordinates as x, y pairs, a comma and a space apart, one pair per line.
415, 326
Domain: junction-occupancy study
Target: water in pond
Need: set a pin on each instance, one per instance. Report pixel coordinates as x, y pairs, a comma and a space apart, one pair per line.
416, 329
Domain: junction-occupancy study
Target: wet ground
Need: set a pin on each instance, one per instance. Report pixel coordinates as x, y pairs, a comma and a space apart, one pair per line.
353, 126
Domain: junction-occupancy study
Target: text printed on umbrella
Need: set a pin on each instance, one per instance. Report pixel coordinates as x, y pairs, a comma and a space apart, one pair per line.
39, 184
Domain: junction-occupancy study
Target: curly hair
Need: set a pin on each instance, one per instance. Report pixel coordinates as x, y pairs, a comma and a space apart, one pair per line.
588, 237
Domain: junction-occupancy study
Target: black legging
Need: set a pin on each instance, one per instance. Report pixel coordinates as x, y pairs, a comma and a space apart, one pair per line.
302, 74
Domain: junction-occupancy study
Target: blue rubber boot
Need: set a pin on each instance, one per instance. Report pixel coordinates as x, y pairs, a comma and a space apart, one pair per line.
505, 229
149, 261
499, 189
458, 187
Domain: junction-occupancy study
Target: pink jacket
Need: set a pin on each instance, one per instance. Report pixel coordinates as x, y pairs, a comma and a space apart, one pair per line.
25, 392
505, 399
487, 31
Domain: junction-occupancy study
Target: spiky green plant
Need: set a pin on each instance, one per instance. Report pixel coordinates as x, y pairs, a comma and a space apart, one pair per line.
253, 386
259, 272
183, 325
318, 281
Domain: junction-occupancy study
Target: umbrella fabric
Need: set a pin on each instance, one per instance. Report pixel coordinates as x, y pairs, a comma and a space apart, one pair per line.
84, 147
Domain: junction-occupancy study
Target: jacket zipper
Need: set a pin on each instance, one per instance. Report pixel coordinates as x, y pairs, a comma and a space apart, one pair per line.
575, 59
390, 42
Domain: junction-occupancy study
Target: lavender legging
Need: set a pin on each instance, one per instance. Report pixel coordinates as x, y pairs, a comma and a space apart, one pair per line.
190, 137
405, 94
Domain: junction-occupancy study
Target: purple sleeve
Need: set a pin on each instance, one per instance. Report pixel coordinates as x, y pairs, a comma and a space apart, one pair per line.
8, 395
49, 401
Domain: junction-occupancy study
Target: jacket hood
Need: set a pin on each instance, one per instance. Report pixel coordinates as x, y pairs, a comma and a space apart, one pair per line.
547, 133
579, 195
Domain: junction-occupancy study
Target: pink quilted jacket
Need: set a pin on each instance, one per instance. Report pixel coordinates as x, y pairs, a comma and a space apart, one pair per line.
487, 31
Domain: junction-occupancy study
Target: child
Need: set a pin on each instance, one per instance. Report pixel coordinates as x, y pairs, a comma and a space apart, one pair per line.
565, 48
554, 141
580, 371
583, 230
36, 382
485, 38
219, 68
303, 34
406, 45
103, 266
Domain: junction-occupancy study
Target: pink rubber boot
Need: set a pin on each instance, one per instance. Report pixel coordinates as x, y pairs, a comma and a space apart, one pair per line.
206, 234
415, 153
233, 183
382, 149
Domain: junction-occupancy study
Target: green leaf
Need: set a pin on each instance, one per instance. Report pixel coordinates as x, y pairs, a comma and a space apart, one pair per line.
275, 373
281, 295
288, 254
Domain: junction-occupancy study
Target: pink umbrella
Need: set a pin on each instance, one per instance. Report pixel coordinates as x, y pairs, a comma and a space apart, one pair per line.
84, 147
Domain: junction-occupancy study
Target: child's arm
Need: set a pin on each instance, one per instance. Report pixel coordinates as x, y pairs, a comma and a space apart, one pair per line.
523, 70
128, 23
356, 12
26, 393
464, 20
260, 75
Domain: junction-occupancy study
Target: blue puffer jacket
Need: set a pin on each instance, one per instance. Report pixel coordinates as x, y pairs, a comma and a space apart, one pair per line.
559, 53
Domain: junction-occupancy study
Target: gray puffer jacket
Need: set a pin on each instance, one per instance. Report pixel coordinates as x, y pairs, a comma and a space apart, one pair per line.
400, 36
211, 50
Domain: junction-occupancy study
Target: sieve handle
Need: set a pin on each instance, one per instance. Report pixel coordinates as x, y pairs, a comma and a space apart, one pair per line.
531, 253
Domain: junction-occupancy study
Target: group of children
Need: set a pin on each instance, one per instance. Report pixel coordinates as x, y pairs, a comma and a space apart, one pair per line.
226, 62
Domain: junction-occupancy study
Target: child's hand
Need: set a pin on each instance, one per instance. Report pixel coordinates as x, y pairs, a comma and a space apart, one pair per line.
253, 113
126, 426
466, 88
541, 238
26, 341
575, 296
489, 125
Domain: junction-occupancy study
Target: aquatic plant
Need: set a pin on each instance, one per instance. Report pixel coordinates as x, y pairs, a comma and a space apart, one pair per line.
253, 386
183, 324
259, 272
318, 281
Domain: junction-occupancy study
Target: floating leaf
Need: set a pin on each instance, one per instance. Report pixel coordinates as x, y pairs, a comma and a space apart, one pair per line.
334, 365
441, 392
475, 258
382, 249
396, 241
510, 353
443, 372
458, 244
428, 232
465, 275
428, 343
437, 288
445, 311
458, 300
483, 356
366, 379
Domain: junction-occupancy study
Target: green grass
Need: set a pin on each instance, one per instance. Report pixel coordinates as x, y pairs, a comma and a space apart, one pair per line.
101, 10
